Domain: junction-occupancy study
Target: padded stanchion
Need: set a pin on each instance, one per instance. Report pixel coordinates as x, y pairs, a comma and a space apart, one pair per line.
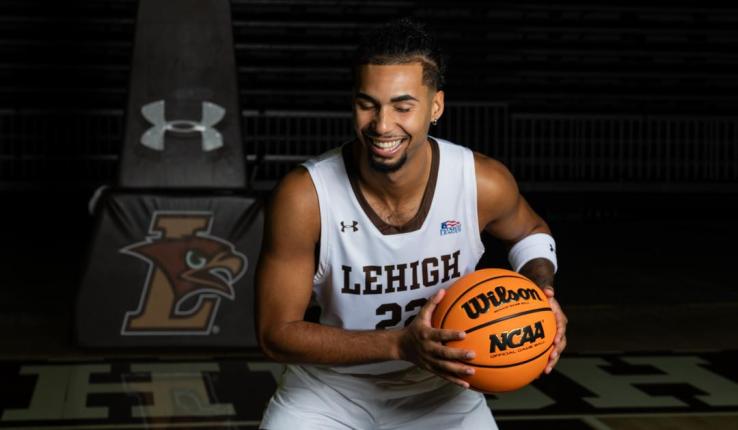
182, 125
176, 241
174, 270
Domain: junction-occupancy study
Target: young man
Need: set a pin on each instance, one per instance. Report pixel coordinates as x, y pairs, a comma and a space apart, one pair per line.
372, 232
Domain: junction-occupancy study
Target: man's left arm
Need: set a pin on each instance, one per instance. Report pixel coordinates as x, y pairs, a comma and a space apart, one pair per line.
505, 214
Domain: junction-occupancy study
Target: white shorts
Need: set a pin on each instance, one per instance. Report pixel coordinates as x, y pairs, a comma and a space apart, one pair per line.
310, 397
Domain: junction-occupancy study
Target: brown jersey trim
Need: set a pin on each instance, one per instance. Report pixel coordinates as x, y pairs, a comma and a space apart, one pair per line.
425, 204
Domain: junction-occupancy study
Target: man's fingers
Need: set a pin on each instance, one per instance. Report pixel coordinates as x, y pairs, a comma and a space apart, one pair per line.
560, 338
561, 320
445, 335
555, 355
458, 354
451, 368
560, 345
427, 310
436, 299
554, 304
560, 329
551, 364
560, 334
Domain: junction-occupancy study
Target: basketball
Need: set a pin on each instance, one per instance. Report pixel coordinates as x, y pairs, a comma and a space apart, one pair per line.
508, 323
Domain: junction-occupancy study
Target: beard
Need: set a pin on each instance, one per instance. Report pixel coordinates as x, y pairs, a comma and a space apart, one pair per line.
380, 167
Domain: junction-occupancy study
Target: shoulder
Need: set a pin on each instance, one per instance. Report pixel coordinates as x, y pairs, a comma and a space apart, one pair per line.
296, 188
497, 190
294, 207
327, 160
493, 176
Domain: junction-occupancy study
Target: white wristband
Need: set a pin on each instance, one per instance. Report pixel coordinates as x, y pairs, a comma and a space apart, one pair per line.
538, 245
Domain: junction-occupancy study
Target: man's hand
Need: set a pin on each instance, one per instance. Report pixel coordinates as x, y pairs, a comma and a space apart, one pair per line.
423, 345
561, 321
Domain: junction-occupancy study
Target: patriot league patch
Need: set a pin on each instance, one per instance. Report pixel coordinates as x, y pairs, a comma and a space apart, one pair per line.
451, 226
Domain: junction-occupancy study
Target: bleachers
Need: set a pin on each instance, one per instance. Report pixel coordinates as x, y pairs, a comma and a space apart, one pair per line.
585, 57
601, 57
64, 70
65, 55
594, 85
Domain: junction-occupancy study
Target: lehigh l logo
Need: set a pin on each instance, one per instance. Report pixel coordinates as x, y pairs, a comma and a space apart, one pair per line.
189, 272
154, 137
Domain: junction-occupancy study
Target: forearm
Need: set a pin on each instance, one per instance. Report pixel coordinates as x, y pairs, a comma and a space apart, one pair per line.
306, 342
535, 257
540, 271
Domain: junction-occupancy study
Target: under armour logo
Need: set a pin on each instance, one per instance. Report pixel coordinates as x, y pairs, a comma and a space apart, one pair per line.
154, 137
353, 226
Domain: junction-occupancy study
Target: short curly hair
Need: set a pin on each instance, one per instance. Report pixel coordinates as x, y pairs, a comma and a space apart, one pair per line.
400, 42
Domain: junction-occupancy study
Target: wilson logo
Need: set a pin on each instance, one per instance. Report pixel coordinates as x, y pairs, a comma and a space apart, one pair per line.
516, 338
190, 271
481, 303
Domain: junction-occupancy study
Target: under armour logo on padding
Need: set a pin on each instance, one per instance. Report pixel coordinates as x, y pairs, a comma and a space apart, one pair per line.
353, 226
154, 137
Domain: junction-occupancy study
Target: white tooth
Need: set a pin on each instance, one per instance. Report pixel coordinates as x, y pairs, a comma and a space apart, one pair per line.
387, 145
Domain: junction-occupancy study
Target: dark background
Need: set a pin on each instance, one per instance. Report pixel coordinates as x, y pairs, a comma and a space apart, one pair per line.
617, 118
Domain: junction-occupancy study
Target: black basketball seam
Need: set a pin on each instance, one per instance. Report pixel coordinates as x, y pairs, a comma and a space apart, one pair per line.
443, 320
488, 323
514, 364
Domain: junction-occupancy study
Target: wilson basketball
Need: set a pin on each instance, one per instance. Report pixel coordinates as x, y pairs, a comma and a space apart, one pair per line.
508, 323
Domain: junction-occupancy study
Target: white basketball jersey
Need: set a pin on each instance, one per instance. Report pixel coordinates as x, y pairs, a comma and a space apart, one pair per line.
371, 275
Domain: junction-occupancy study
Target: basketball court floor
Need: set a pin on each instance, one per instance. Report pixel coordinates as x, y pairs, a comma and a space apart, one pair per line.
653, 343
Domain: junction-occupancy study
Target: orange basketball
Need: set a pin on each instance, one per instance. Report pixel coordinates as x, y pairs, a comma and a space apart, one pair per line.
508, 323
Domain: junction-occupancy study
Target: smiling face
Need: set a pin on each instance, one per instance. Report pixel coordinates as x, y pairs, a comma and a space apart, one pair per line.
393, 110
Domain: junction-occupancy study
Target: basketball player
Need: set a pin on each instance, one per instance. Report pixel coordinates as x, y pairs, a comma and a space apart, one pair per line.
373, 232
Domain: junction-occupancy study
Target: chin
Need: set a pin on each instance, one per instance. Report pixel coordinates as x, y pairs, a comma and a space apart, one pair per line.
387, 167
384, 165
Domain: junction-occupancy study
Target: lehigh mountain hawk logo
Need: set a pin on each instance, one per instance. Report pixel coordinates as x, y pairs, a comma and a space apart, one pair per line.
190, 271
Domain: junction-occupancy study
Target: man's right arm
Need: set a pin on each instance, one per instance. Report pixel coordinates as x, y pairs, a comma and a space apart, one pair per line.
284, 286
